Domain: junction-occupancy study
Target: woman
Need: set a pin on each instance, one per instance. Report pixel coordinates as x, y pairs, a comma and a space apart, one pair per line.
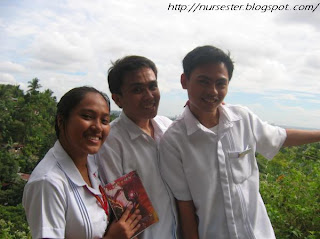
63, 197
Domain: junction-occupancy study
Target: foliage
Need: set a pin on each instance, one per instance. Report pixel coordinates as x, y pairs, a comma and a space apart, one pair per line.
12, 195
26, 134
13, 224
27, 122
290, 185
8, 166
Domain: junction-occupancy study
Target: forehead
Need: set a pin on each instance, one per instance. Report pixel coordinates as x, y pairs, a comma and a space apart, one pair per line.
215, 69
141, 76
93, 101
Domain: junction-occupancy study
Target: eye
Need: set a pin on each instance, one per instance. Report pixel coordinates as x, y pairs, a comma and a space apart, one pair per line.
86, 116
204, 81
105, 121
137, 90
153, 86
221, 83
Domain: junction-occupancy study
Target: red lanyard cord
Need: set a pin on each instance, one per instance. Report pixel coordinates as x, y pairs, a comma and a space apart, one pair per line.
103, 202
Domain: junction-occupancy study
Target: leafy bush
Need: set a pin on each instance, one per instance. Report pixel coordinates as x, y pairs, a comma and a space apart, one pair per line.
290, 185
13, 224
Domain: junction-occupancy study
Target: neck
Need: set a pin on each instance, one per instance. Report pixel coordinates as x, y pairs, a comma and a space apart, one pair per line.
207, 119
83, 170
80, 161
145, 125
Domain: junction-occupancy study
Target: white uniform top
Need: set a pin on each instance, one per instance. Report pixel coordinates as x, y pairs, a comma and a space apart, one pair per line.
56, 203
219, 172
128, 148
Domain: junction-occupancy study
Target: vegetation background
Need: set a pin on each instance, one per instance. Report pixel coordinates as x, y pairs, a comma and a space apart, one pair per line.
290, 183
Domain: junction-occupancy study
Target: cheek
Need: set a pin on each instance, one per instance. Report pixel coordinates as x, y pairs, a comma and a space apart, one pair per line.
133, 101
106, 131
157, 95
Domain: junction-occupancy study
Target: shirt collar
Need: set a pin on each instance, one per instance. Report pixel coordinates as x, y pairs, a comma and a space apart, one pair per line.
67, 165
135, 131
225, 121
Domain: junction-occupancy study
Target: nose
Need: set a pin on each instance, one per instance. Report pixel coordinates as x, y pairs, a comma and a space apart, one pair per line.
148, 94
213, 89
97, 125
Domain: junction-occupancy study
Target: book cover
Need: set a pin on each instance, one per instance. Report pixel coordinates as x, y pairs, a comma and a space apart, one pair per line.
129, 190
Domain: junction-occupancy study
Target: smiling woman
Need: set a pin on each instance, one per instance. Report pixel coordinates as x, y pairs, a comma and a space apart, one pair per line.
64, 197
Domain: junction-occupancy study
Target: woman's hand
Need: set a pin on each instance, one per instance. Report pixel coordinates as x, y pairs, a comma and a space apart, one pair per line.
126, 227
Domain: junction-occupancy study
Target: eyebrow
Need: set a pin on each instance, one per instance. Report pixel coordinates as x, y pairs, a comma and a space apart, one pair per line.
142, 84
92, 111
208, 78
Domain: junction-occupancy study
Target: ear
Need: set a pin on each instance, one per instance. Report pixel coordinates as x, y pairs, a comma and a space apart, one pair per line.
184, 81
117, 99
59, 121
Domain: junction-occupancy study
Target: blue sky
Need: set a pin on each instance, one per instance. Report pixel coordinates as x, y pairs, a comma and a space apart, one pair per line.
68, 43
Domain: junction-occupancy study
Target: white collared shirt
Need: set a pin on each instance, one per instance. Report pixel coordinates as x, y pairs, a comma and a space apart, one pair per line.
219, 172
128, 148
56, 203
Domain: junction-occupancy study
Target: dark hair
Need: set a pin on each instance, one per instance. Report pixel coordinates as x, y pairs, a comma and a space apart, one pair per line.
125, 65
70, 100
203, 55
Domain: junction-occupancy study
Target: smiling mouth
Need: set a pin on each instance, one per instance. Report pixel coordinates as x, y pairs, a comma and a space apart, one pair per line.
149, 106
211, 100
94, 138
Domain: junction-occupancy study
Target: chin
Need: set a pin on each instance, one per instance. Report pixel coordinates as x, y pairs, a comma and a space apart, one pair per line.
94, 150
150, 114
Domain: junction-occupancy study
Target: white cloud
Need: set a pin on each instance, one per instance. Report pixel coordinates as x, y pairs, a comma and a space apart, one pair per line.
58, 51
6, 78
8, 66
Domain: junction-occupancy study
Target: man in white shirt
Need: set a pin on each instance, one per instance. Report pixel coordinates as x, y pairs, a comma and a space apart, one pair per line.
134, 136
207, 156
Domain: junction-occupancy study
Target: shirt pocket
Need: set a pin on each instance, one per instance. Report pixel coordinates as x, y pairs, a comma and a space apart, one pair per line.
241, 164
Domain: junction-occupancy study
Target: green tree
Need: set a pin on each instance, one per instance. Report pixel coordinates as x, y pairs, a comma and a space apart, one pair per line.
8, 167
10, 97
34, 86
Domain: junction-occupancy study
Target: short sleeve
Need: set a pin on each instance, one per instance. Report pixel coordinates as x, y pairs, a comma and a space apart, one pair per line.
171, 168
45, 205
269, 138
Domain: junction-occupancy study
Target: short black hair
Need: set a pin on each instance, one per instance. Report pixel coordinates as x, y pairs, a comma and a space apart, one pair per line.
125, 65
70, 100
206, 54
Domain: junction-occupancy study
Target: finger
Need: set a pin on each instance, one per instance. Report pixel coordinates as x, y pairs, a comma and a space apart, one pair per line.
126, 213
135, 221
135, 229
136, 212
133, 216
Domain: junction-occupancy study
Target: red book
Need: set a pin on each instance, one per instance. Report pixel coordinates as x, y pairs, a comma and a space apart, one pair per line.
128, 190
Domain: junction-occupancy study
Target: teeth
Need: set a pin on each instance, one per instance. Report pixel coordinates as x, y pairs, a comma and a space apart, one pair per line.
211, 100
93, 138
148, 106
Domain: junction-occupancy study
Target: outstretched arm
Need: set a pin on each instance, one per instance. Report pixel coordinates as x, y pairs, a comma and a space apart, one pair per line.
296, 137
188, 219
